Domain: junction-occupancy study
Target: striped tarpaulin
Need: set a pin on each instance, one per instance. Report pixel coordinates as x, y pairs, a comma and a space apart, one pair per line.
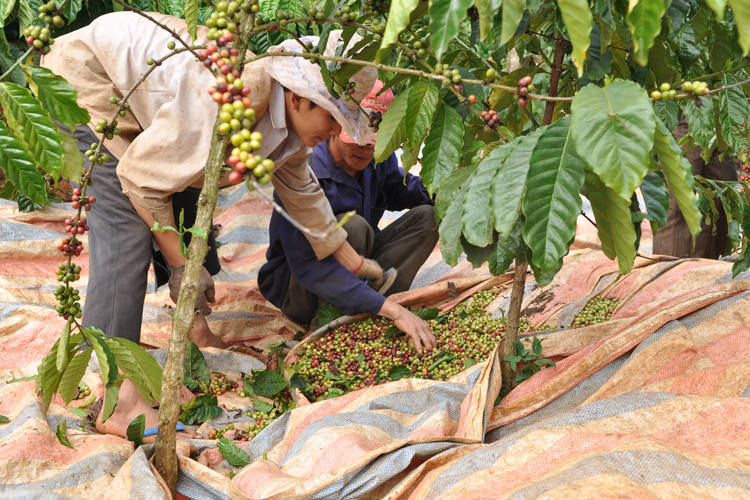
652, 404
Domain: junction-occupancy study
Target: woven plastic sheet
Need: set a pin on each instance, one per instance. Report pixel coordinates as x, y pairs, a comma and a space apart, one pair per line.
652, 404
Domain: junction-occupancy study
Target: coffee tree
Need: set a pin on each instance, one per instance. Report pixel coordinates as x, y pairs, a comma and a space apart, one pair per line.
514, 109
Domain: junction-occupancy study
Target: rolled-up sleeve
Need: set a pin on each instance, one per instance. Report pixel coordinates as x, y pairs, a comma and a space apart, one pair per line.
305, 201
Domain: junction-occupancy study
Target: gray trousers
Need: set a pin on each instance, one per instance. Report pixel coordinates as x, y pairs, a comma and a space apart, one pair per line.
405, 244
120, 249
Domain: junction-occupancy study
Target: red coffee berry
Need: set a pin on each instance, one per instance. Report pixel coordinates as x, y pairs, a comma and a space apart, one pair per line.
522, 101
245, 91
75, 205
235, 177
472, 99
92, 199
523, 90
76, 192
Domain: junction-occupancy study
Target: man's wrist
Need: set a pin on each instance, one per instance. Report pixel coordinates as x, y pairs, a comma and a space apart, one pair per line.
172, 269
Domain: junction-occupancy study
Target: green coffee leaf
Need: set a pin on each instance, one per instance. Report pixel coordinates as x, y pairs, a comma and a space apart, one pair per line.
4, 419
400, 15
72, 160
505, 251
422, 102
328, 313
136, 428
613, 130
442, 147
191, 17
486, 12
200, 409
57, 96
112, 396
62, 348
476, 217
147, 367
61, 433
578, 19
398, 372
234, 455
334, 392
734, 116
26, 14
449, 189
197, 231
701, 121
268, 383
427, 313
445, 17
392, 332
20, 168
392, 130
613, 222
31, 123
509, 184
73, 375
679, 174
741, 11
79, 412
512, 15
196, 369
644, 19
656, 196
71, 9
297, 382
668, 112
718, 6
450, 231
552, 202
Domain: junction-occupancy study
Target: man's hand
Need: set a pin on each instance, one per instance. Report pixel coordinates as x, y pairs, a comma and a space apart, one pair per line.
411, 324
372, 271
206, 289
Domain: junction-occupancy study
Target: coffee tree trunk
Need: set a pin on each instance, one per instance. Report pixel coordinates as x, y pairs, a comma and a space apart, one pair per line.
519, 277
183, 317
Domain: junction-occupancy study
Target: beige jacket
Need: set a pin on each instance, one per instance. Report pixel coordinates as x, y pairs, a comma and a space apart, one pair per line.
165, 139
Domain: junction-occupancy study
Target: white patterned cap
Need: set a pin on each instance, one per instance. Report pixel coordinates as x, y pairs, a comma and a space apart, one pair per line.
305, 79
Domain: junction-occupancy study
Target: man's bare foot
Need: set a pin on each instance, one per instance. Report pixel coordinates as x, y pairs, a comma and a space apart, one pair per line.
129, 405
202, 336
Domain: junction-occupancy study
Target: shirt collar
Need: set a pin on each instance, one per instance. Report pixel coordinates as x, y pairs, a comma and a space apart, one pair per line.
277, 106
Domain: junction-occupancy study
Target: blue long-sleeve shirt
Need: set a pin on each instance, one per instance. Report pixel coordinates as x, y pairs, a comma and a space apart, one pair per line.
380, 187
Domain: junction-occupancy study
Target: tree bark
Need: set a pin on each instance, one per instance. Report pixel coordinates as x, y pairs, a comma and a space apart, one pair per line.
514, 318
519, 278
184, 314
557, 70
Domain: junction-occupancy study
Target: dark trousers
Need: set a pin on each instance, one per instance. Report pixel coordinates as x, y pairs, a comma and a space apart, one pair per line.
675, 238
405, 244
120, 245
